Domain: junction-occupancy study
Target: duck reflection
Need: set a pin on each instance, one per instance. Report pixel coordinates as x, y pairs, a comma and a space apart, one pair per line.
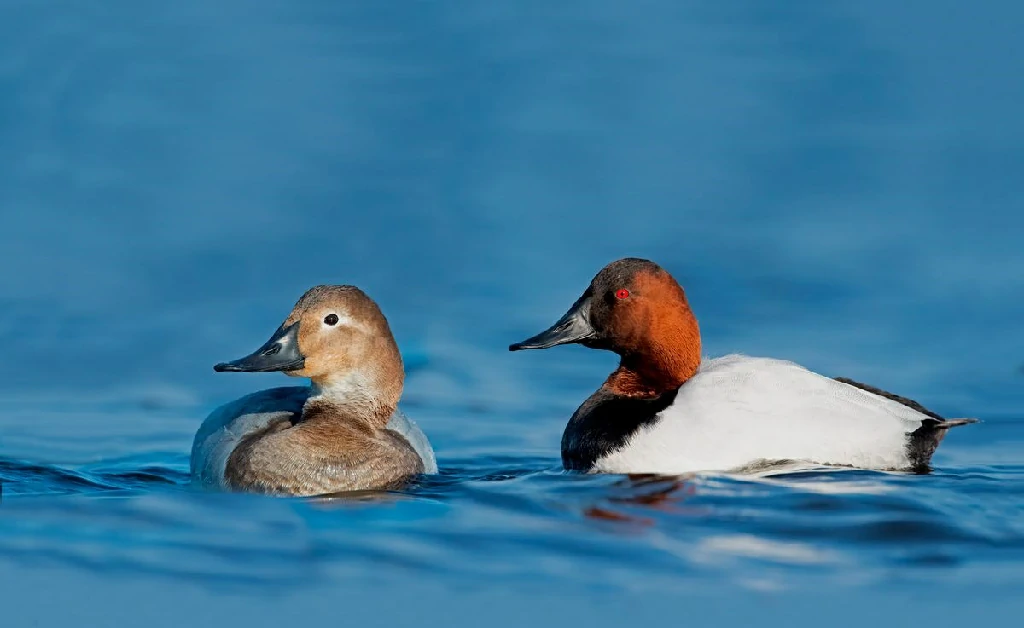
660, 493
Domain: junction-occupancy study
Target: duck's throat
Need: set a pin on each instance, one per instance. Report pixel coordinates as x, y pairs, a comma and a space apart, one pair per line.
652, 374
354, 396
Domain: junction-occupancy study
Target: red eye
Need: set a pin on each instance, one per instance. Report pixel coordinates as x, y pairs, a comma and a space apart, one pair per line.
622, 294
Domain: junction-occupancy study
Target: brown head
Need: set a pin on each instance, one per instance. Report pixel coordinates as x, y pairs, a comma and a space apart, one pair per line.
337, 337
636, 309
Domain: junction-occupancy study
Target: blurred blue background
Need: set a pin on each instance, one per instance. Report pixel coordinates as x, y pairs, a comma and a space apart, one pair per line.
834, 183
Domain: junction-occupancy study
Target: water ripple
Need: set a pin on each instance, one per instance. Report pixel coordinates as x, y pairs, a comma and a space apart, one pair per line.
516, 515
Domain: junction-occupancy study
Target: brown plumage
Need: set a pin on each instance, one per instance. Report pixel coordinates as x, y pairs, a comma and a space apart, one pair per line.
359, 354
338, 337
326, 452
656, 333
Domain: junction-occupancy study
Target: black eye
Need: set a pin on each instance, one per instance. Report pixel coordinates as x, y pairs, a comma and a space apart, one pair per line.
331, 319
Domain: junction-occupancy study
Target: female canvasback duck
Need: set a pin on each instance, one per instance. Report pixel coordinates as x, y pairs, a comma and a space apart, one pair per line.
666, 411
343, 433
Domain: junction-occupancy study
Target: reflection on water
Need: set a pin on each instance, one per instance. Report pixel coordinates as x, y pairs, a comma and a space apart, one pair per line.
639, 492
835, 184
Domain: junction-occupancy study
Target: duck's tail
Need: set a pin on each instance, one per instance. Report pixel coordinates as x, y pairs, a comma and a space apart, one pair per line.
945, 424
925, 440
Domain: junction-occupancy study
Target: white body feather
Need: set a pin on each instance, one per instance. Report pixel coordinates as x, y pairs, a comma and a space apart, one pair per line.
221, 432
739, 410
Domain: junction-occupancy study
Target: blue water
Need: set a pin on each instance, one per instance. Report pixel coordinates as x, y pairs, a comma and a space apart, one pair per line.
834, 183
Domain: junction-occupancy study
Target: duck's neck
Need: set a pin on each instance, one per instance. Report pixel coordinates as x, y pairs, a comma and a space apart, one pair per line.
665, 359
356, 395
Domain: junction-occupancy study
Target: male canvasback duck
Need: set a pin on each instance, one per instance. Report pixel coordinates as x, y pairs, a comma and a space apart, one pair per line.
664, 410
343, 433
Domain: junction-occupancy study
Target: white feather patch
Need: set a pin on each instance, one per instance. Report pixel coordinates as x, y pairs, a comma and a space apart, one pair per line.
738, 410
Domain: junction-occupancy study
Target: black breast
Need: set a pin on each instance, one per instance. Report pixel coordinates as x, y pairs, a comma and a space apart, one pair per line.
605, 423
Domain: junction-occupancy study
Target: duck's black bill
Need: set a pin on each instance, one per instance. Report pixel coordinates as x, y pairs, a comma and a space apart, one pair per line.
573, 327
280, 353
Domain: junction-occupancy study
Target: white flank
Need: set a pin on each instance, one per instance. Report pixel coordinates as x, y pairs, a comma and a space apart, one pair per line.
738, 410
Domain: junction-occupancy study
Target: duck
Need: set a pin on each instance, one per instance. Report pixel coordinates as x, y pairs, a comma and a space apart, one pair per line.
343, 432
667, 410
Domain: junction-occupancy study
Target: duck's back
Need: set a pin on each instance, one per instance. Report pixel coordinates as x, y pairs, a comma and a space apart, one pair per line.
737, 411
226, 426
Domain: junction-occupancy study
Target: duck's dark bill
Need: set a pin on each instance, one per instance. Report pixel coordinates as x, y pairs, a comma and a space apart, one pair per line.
573, 327
280, 353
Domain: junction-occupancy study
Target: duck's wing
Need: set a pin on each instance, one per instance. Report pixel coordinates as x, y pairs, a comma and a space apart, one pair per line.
221, 432
910, 403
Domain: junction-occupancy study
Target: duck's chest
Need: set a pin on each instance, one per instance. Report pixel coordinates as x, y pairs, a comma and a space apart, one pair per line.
605, 424
234, 428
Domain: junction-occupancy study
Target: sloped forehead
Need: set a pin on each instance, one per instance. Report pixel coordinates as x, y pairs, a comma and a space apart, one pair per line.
623, 272
330, 295
348, 302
